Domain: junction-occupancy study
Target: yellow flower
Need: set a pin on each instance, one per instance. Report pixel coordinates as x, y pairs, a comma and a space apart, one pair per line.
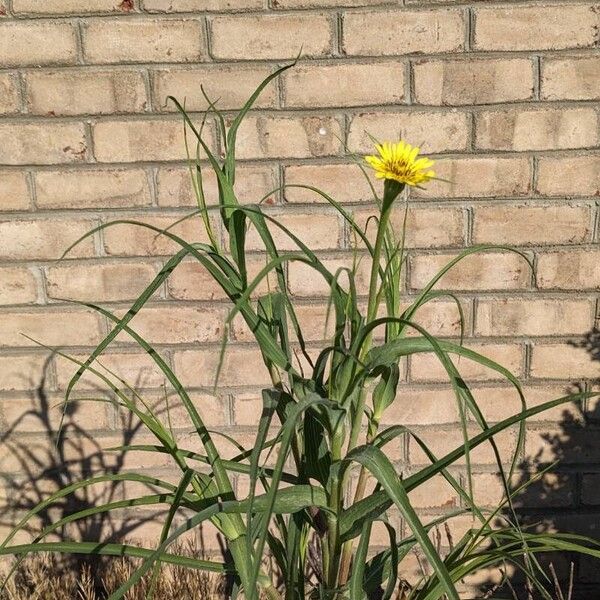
400, 163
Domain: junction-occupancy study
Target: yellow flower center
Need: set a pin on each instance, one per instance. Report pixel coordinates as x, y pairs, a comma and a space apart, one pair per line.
400, 162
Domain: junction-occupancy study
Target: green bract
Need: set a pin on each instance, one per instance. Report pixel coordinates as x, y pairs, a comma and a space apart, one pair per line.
319, 424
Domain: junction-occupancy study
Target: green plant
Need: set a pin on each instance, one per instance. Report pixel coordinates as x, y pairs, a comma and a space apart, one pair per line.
326, 423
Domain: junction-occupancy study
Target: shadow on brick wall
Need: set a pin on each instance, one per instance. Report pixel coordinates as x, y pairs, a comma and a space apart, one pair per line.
567, 499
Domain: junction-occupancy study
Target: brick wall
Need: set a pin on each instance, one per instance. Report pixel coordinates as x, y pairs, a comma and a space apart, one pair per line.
503, 94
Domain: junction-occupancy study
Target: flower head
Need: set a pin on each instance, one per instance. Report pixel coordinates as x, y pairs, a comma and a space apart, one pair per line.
399, 162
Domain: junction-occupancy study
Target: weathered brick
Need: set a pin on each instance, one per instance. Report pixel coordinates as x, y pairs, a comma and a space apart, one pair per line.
418, 406
132, 141
143, 40
17, 286
442, 442
575, 269
85, 92
562, 361
434, 493
458, 82
98, 188
290, 4
319, 233
480, 271
175, 187
9, 94
186, 325
571, 78
44, 239
99, 282
371, 33
47, 143
229, 86
569, 176
517, 316
425, 227
63, 7
343, 182
22, 372
24, 43
525, 224
441, 131
344, 85
137, 240
54, 328
200, 5
271, 36
305, 281
191, 281
290, 137
478, 176
440, 318
14, 194
427, 367
241, 366
539, 129
535, 27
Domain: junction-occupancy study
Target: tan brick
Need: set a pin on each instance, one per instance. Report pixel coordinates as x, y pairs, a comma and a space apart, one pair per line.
515, 316
99, 282
422, 407
440, 318
131, 141
310, 86
478, 176
26, 415
9, 94
241, 366
562, 361
76, 328
252, 184
299, 137
344, 183
317, 232
523, 224
85, 92
60, 7
427, 367
136, 369
589, 489
98, 188
22, 372
403, 32
442, 442
44, 239
434, 493
48, 143
458, 82
271, 36
571, 79
17, 286
442, 131
569, 270
143, 40
14, 194
229, 86
573, 445
186, 325
305, 281
480, 271
200, 5
3, 9
569, 176
499, 403
535, 27
24, 43
542, 129
425, 227
137, 240
191, 281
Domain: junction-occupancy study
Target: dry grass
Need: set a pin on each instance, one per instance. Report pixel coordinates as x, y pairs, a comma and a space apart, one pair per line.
48, 577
